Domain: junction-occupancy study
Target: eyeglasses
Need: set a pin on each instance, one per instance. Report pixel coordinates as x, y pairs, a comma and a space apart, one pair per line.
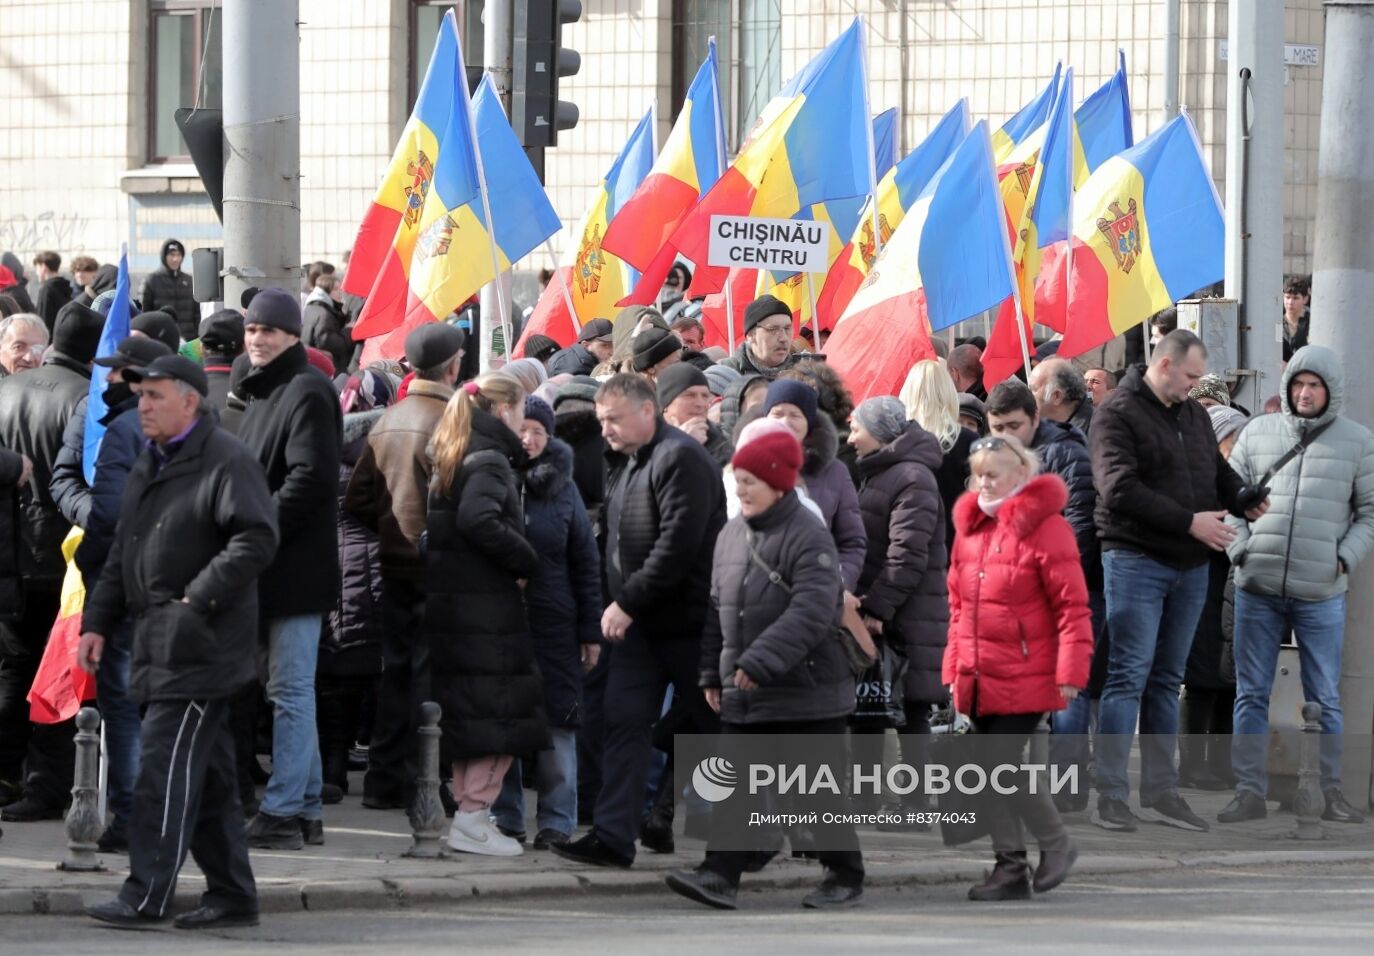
778, 330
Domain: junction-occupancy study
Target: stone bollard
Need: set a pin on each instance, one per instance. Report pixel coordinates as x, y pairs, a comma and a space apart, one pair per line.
1308, 802
83, 819
427, 816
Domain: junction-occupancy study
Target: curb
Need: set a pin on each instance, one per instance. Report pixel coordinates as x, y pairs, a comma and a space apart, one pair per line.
384, 894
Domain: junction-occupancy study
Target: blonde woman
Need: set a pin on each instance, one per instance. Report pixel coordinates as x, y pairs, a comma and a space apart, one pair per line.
477, 561
931, 402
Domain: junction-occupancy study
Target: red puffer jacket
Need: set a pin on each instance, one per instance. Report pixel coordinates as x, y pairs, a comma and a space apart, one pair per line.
1019, 624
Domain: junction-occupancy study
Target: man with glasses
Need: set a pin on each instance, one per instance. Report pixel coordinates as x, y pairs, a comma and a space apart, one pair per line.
767, 346
23, 338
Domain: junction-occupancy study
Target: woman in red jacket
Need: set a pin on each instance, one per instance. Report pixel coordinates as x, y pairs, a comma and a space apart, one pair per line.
1020, 643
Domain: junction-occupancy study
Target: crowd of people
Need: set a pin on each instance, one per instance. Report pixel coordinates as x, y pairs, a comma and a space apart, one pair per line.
593, 547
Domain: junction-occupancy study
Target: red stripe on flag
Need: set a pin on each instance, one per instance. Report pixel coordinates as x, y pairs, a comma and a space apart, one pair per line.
874, 350
1049, 312
743, 282
641, 227
60, 685
371, 248
1003, 355
385, 306
390, 344
840, 285
550, 316
1089, 322
651, 280
732, 195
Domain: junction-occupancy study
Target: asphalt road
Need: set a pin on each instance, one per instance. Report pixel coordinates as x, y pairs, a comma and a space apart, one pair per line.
1290, 909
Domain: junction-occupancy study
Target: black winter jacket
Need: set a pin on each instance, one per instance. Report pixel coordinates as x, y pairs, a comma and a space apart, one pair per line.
1156, 467
563, 597
119, 451
351, 642
200, 528
35, 408
903, 581
718, 445
53, 293
574, 423
294, 427
952, 478
69, 490
485, 676
576, 359
671, 506
782, 635
322, 327
11, 587
171, 292
1063, 451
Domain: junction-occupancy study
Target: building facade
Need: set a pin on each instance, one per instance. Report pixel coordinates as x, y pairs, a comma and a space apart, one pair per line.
91, 155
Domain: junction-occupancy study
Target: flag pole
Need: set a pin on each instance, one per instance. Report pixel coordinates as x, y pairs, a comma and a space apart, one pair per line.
720, 159
1011, 271
563, 284
501, 305
868, 130
815, 316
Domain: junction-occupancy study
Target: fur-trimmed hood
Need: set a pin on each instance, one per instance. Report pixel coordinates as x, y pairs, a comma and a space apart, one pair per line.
547, 474
1042, 496
821, 446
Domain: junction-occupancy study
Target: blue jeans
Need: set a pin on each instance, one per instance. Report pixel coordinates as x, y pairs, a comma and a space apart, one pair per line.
1152, 613
1261, 622
555, 779
1069, 728
123, 725
293, 646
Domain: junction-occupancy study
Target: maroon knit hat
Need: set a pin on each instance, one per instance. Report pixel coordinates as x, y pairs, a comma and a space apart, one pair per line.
773, 458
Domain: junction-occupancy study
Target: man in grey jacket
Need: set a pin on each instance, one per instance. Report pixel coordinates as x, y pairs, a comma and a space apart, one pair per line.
1292, 567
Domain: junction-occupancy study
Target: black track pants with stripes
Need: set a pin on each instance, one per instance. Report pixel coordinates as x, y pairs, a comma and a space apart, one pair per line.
187, 798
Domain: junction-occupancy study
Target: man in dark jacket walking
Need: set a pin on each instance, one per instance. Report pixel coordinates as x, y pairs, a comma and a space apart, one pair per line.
294, 426
169, 289
54, 291
35, 408
1163, 490
388, 493
665, 506
593, 346
1063, 449
195, 531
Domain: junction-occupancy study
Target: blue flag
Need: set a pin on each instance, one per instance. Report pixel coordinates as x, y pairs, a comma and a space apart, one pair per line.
116, 330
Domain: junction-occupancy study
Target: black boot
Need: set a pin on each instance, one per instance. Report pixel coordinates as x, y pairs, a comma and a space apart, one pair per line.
656, 833
1009, 879
335, 717
1057, 852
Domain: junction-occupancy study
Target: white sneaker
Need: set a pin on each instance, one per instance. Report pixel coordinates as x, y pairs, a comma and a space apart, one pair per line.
476, 833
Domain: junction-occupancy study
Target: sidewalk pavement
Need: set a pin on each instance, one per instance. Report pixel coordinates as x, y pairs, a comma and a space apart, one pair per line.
361, 864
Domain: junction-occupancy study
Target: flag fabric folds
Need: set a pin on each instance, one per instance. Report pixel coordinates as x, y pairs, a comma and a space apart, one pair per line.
60, 685
689, 164
809, 145
1104, 119
896, 192
946, 262
116, 330
380, 261
1027, 119
596, 279
1148, 231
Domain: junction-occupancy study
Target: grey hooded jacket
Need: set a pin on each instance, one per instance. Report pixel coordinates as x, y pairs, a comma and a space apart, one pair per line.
1321, 504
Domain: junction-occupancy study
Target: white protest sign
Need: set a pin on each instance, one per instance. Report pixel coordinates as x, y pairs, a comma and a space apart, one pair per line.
779, 245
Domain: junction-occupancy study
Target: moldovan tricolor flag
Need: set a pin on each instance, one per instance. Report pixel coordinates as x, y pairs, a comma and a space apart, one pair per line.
379, 266
453, 254
689, 165
811, 144
60, 685
947, 261
1027, 120
1148, 230
896, 192
596, 279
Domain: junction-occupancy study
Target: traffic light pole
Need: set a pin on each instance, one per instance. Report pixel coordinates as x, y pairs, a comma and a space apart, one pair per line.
1342, 288
262, 146
497, 17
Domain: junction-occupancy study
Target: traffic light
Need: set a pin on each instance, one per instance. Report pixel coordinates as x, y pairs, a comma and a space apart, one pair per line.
539, 62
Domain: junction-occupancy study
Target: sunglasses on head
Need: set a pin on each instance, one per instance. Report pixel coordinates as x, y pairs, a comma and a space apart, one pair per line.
994, 443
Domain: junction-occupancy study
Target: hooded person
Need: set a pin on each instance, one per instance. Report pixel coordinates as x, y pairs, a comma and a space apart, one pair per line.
1293, 565
169, 288
106, 278
563, 601
13, 281
575, 424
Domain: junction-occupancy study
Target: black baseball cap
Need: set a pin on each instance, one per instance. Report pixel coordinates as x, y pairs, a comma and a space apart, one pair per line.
596, 329
167, 367
136, 350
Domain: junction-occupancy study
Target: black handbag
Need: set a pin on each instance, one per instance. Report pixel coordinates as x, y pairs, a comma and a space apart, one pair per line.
964, 817
879, 694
